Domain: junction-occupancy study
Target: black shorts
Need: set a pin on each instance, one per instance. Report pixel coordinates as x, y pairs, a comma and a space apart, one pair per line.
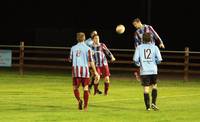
148, 80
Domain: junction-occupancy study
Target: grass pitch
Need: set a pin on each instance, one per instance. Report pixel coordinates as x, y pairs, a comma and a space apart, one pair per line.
48, 97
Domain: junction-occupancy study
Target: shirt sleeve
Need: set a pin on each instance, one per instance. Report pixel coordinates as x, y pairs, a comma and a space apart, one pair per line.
107, 51
70, 55
90, 58
136, 57
158, 56
137, 40
86, 42
155, 35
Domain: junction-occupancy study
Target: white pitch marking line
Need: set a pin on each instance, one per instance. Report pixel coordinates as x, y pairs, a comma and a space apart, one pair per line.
161, 97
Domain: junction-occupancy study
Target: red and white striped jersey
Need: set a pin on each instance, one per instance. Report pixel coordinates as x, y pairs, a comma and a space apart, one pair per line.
80, 55
99, 54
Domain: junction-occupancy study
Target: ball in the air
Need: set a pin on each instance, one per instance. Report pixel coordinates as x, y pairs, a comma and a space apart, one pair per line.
120, 29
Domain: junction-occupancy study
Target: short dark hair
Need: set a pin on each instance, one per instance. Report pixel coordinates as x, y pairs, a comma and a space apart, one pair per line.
136, 20
146, 37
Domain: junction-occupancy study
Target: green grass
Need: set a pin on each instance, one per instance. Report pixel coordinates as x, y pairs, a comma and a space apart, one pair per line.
48, 97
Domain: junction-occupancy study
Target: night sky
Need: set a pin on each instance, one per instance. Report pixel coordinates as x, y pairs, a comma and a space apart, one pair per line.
54, 23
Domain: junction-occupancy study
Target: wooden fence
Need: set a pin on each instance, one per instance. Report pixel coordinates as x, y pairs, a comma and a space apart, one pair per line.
186, 62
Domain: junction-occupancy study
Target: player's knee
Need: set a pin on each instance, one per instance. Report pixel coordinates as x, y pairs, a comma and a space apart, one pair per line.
97, 78
107, 79
75, 87
154, 86
85, 88
96, 81
146, 89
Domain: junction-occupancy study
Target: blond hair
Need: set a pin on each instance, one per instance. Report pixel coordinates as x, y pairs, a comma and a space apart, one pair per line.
80, 36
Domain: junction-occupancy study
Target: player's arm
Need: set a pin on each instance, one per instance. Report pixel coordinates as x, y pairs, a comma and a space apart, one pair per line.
157, 37
91, 62
136, 39
136, 57
107, 51
87, 42
69, 59
158, 56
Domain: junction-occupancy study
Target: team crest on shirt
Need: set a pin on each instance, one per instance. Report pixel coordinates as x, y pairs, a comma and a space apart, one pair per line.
78, 53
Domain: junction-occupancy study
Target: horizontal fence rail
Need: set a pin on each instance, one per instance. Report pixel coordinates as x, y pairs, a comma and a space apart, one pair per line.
56, 58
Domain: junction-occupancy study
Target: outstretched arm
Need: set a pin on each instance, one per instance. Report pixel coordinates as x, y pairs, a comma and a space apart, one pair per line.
157, 37
158, 56
107, 51
136, 57
92, 64
137, 39
69, 59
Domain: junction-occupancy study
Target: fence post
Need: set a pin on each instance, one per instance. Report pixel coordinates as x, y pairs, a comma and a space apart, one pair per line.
186, 64
21, 58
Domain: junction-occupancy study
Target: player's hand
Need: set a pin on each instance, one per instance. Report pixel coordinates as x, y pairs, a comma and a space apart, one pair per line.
162, 46
68, 60
96, 74
113, 59
92, 52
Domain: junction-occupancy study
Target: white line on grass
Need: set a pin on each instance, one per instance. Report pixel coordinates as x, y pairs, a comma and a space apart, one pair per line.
161, 97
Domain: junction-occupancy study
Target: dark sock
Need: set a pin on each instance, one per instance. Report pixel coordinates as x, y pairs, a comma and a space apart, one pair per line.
95, 88
106, 87
77, 95
86, 97
92, 82
146, 100
154, 96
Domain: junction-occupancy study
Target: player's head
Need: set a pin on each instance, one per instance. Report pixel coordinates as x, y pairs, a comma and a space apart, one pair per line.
137, 23
146, 37
80, 36
93, 33
95, 38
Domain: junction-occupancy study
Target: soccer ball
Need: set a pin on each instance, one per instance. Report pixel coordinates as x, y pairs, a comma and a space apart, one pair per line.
120, 29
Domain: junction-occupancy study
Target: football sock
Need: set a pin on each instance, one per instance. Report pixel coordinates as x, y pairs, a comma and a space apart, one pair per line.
146, 100
154, 96
76, 94
95, 88
106, 87
86, 97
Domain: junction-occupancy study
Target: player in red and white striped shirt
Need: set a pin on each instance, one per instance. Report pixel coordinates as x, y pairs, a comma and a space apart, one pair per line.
89, 42
81, 57
100, 52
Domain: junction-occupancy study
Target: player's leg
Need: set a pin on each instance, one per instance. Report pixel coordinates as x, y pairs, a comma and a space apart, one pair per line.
154, 92
107, 79
92, 79
146, 97
86, 82
99, 91
154, 97
76, 84
146, 83
106, 85
96, 81
92, 82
